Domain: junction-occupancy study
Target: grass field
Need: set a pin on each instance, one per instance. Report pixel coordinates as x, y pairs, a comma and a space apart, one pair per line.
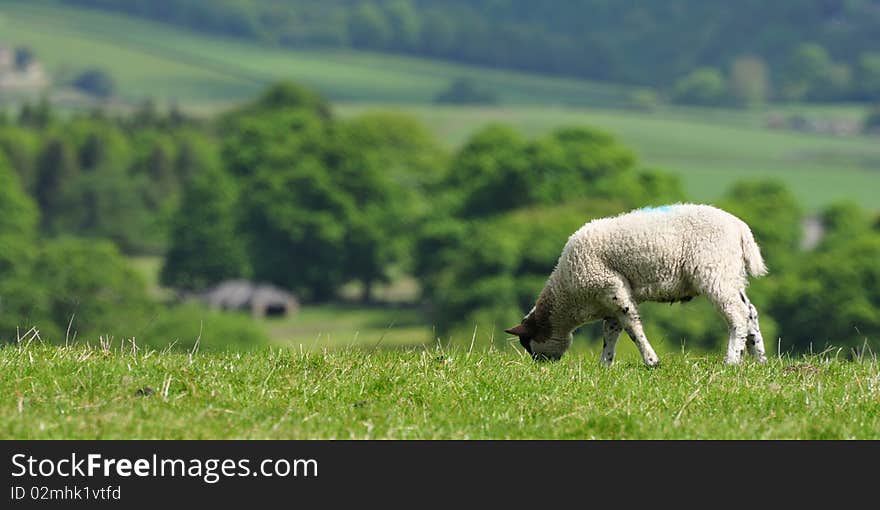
164, 62
81, 392
708, 149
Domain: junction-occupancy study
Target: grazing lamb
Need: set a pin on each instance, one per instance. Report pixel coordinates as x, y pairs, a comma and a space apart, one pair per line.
667, 254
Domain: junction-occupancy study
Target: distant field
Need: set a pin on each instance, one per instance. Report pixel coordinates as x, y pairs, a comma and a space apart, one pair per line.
92, 393
153, 59
710, 149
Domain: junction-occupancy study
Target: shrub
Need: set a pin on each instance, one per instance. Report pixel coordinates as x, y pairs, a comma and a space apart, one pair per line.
181, 326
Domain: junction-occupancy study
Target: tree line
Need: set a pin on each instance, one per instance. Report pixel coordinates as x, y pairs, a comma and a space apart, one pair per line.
283, 191
694, 51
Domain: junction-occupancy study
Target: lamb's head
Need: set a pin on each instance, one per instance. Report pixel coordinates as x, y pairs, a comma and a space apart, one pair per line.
535, 334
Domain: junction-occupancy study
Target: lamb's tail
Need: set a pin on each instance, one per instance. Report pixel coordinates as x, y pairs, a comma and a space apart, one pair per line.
752, 253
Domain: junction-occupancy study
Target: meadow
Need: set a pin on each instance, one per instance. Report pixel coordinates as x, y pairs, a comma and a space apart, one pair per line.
121, 392
708, 149
208, 72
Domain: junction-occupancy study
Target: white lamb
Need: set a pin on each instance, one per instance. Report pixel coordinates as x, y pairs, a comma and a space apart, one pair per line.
670, 253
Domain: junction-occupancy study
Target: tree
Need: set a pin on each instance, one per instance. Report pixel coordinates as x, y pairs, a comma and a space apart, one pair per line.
96, 82
748, 81
37, 117
18, 213
438, 33
868, 76
704, 87
465, 91
404, 23
389, 164
773, 214
205, 246
832, 299
291, 96
89, 282
491, 173
24, 56
369, 27
806, 66
20, 301
872, 120
20, 146
296, 218
56, 170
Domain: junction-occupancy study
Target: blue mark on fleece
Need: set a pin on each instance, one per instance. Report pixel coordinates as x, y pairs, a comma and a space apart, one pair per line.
660, 209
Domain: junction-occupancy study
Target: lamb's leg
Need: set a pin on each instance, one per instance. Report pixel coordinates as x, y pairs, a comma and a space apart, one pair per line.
735, 310
611, 329
754, 340
628, 316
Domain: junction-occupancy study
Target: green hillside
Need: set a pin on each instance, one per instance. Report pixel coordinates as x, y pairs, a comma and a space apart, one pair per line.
152, 59
708, 149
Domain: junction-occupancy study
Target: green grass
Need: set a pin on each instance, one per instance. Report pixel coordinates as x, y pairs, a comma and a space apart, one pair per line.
709, 149
153, 59
81, 392
321, 326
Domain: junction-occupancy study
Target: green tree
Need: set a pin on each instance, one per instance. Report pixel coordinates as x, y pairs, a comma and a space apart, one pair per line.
868, 76
749, 81
774, 215
20, 301
91, 285
56, 170
833, 298
96, 82
296, 217
704, 87
491, 173
388, 163
871, 124
20, 146
205, 246
810, 73
404, 23
108, 203
438, 33
465, 91
18, 219
369, 27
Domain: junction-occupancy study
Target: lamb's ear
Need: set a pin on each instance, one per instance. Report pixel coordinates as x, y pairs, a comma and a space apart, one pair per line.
518, 330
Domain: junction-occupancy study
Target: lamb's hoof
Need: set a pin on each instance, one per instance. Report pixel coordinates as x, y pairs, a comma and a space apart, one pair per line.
731, 361
762, 360
652, 363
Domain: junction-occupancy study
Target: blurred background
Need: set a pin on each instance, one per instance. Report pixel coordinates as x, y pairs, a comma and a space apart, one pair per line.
392, 173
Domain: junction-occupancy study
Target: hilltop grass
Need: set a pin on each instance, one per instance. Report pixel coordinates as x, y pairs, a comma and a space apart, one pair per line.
168, 63
82, 392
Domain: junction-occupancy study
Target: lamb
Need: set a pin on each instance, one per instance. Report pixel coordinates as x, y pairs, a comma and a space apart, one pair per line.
667, 254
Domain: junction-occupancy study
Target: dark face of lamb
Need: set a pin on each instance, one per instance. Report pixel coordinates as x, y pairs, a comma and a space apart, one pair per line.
536, 336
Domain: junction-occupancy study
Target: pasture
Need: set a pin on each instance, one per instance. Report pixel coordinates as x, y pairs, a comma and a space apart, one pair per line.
123, 393
708, 149
204, 72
